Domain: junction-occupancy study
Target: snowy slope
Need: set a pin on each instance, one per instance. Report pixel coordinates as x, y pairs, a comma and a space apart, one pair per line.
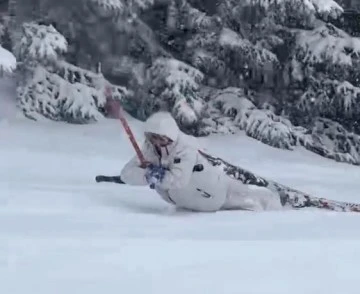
60, 232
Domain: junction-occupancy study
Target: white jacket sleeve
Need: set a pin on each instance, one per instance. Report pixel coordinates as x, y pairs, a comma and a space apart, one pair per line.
179, 174
132, 173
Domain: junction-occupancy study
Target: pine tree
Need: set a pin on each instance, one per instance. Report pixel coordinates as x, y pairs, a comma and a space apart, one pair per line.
170, 84
48, 86
8, 61
279, 70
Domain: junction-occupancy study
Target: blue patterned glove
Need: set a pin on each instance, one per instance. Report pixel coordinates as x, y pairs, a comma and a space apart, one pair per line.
154, 175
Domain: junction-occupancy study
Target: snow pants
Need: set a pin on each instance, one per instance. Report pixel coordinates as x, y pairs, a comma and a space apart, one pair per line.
250, 197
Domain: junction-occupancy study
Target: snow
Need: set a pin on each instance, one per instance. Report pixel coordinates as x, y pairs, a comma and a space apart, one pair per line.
143, 4
327, 7
349, 93
198, 20
328, 43
323, 7
260, 124
73, 101
7, 61
60, 232
42, 42
229, 38
181, 83
110, 5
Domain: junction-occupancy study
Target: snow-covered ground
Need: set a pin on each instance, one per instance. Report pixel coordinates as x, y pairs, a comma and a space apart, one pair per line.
60, 232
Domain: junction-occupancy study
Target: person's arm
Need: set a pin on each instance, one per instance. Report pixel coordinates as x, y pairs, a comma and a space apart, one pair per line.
133, 173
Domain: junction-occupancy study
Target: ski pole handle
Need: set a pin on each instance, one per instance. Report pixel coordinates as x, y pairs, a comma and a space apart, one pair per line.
109, 179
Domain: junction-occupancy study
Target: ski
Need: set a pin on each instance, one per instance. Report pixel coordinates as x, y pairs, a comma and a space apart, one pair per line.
288, 196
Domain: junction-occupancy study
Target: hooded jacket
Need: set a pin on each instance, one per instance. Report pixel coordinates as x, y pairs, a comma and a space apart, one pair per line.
185, 185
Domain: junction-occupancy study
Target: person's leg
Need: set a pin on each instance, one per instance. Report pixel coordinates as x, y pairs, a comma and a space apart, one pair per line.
250, 197
267, 199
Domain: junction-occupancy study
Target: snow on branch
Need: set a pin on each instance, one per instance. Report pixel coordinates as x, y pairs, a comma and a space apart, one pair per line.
143, 4
73, 103
174, 86
74, 74
259, 124
230, 110
222, 67
330, 139
41, 42
214, 69
181, 83
52, 88
321, 7
327, 44
231, 58
7, 61
110, 7
332, 99
198, 20
325, 7
255, 54
49, 95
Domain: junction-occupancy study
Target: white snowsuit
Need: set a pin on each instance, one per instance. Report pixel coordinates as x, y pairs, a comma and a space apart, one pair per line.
208, 189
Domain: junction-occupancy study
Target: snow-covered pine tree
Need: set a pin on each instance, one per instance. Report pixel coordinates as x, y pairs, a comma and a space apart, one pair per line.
7, 62
52, 88
232, 109
322, 83
248, 44
170, 84
316, 71
108, 32
330, 139
250, 55
328, 57
49, 86
7, 59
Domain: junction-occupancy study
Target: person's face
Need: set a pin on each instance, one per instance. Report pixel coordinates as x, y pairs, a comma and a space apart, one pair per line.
158, 140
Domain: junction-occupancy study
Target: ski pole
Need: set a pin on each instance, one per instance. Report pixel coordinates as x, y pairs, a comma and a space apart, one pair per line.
120, 115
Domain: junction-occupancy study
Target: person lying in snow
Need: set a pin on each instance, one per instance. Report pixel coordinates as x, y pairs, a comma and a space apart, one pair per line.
184, 178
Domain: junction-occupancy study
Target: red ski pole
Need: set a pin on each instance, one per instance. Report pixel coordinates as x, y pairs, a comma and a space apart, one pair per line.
121, 117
